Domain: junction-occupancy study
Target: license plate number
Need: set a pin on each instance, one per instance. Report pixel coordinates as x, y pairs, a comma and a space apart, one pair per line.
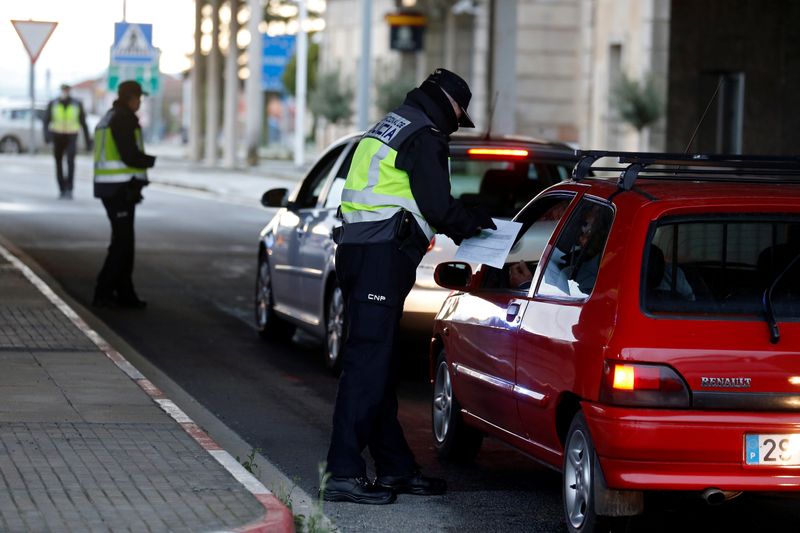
772, 450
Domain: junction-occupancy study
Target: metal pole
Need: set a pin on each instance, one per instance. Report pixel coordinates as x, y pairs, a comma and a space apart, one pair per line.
253, 90
364, 65
231, 89
195, 126
212, 84
300, 87
124, 10
31, 145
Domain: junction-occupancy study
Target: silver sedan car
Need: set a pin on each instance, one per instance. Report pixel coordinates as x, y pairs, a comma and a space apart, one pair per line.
296, 282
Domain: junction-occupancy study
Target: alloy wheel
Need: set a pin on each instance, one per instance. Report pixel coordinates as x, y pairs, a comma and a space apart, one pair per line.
577, 479
335, 327
442, 402
263, 294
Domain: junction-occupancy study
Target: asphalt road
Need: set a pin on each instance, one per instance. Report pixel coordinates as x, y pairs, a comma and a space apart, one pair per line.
195, 264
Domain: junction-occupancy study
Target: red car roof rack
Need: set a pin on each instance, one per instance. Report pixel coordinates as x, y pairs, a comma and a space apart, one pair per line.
690, 167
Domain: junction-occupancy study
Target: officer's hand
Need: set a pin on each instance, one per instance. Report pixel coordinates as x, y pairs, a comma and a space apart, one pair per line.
483, 219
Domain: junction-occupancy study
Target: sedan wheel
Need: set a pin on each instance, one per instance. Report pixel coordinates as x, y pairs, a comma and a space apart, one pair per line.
10, 145
269, 326
334, 329
578, 480
453, 439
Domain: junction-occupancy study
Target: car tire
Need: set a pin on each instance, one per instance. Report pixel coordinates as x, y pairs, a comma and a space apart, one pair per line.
453, 438
10, 145
268, 324
578, 480
335, 328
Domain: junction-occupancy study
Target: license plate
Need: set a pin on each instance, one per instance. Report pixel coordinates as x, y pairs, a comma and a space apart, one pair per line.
772, 450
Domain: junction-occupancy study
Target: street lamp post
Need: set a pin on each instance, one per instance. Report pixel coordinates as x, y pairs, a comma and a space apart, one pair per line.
300, 86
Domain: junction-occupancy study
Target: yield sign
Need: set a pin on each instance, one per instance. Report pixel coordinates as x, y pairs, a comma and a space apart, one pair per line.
34, 35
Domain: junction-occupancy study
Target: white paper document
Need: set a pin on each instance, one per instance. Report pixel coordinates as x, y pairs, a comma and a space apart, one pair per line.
490, 247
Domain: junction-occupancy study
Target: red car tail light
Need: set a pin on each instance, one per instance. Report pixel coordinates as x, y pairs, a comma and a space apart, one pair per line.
643, 385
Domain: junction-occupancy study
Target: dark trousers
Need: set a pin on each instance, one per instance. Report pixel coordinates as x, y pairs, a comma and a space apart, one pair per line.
65, 144
375, 280
116, 276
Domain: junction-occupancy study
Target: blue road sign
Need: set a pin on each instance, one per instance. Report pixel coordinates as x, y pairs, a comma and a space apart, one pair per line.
133, 43
278, 50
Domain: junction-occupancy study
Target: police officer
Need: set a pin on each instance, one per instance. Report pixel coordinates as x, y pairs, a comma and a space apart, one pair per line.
120, 173
396, 197
63, 119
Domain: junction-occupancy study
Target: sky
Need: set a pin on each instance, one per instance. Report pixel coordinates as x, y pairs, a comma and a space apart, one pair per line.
79, 47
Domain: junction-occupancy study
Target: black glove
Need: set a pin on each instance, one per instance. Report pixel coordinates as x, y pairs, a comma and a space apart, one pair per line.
482, 218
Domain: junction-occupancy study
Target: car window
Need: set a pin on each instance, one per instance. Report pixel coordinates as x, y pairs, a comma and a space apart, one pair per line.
722, 266
502, 186
334, 197
539, 220
574, 263
315, 180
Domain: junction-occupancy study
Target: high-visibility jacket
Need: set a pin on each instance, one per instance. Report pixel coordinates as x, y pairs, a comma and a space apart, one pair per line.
109, 169
65, 118
375, 189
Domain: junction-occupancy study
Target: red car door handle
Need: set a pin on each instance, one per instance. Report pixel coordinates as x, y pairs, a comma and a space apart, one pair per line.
512, 311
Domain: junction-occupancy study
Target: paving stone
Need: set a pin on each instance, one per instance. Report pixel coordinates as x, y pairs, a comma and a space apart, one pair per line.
115, 474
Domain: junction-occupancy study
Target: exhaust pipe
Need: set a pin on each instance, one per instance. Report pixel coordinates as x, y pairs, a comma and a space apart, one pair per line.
714, 496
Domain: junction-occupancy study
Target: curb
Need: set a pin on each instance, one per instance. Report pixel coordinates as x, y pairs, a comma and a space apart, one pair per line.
277, 517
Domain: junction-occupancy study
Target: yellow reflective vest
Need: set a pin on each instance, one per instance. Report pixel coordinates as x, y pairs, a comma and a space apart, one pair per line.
109, 169
65, 119
375, 189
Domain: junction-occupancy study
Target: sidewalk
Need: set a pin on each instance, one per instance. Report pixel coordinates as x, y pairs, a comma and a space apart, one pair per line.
87, 443
244, 184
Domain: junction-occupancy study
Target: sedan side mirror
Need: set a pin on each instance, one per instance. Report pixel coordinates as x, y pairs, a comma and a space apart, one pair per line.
454, 275
275, 198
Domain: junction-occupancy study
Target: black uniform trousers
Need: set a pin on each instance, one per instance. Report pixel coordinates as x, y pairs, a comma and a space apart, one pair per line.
116, 276
65, 144
375, 280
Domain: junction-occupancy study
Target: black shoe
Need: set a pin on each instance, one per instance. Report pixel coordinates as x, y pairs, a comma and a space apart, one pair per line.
356, 490
414, 483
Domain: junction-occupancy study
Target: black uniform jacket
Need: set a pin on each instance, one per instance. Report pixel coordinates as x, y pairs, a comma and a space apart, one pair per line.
123, 125
425, 157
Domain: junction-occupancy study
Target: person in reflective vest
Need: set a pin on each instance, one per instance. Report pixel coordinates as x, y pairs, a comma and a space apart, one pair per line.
120, 173
395, 198
63, 120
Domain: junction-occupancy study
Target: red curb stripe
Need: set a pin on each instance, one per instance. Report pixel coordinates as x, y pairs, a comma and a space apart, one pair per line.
200, 436
278, 520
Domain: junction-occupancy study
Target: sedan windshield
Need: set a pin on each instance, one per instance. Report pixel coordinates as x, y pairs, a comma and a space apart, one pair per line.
723, 266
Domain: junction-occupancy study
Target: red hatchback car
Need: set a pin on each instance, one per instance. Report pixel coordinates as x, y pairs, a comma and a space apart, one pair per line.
644, 334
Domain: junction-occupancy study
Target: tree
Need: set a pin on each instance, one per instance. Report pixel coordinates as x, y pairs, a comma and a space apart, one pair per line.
330, 99
392, 92
289, 77
638, 103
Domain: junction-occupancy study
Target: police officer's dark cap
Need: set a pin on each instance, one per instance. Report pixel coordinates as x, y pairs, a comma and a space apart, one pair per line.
130, 88
458, 90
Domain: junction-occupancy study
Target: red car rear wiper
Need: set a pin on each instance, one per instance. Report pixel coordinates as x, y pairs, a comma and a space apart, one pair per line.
766, 301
